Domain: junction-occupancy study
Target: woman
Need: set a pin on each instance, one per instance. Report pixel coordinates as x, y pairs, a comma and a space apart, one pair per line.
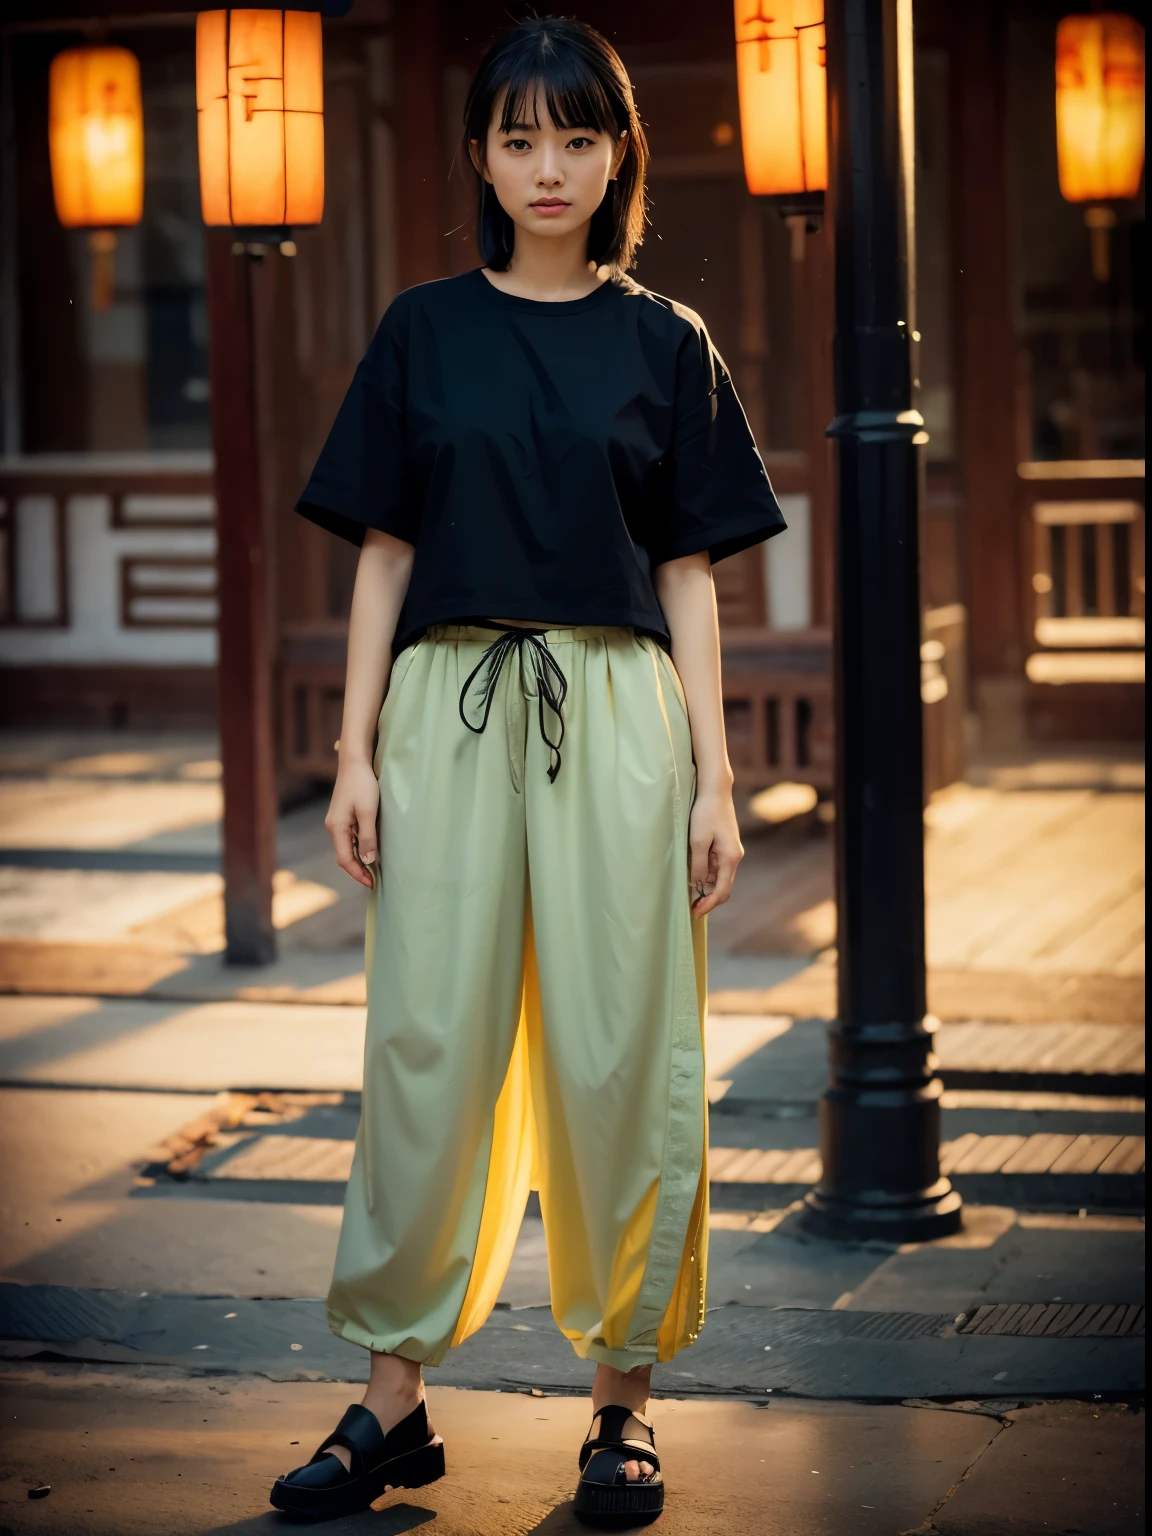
541, 460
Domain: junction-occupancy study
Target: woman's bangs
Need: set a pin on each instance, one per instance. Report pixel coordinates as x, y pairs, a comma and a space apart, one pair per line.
574, 98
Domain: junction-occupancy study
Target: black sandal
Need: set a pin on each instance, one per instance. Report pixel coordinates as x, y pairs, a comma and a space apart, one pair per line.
604, 1495
408, 1456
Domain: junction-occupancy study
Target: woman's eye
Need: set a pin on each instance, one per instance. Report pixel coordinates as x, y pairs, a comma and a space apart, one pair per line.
518, 144
579, 143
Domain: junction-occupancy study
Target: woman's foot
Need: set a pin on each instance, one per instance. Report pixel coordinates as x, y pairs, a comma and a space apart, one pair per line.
410, 1455
627, 1389
383, 1442
620, 1485
395, 1388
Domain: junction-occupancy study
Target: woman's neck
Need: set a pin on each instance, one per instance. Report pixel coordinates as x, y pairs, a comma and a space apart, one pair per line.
550, 271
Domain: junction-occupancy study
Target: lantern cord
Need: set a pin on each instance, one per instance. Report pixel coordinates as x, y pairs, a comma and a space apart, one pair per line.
102, 250
1101, 222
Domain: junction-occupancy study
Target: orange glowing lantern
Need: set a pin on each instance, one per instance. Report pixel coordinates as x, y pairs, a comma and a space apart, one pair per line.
780, 68
1099, 106
1100, 118
96, 149
260, 113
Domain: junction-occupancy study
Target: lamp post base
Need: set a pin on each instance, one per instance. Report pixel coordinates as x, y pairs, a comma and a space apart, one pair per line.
880, 1138
917, 1216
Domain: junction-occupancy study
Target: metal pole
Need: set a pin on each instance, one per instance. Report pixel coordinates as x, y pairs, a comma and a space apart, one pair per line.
880, 1115
244, 667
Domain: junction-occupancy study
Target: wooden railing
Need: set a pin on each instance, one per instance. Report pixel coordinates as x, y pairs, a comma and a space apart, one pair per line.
778, 706
778, 703
1082, 528
944, 693
312, 663
159, 582
1086, 573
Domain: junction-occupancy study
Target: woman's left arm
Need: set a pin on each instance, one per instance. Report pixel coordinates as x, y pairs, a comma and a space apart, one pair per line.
688, 597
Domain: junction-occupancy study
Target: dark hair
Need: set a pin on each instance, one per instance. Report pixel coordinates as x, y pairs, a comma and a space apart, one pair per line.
584, 85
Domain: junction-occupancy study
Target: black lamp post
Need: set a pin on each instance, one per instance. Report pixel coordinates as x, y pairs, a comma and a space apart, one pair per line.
880, 1115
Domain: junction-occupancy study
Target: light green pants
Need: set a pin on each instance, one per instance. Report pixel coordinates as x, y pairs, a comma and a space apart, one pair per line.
536, 993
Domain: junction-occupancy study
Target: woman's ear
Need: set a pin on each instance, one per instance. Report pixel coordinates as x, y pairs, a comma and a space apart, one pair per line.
478, 159
620, 152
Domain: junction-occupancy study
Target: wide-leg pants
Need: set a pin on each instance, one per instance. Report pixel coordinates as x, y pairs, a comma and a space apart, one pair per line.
536, 994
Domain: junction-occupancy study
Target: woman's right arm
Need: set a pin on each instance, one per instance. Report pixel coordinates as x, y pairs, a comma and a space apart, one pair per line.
381, 582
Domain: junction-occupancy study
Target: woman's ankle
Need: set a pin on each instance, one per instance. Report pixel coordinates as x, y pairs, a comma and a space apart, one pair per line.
395, 1388
627, 1389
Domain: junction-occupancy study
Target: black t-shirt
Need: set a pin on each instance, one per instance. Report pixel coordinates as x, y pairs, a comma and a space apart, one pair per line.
541, 457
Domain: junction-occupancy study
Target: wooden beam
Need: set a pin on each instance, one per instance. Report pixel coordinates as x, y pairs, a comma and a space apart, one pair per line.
986, 353
421, 179
244, 669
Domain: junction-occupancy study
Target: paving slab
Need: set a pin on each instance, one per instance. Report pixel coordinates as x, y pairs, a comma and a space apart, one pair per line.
758, 1063
285, 1161
1046, 1473
102, 813
134, 1453
130, 969
67, 1211
751, 1351
789, 1071
299, 1148
113, 861
157, 1045
1022, 997
1057, 1264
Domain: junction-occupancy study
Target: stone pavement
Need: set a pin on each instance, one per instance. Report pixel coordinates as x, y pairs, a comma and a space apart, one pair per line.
136, 1452
176, 1137
148, 1152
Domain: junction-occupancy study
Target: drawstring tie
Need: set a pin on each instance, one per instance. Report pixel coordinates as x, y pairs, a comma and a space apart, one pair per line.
551, 684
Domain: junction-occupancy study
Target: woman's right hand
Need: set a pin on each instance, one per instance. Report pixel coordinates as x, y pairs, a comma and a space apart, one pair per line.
351, 819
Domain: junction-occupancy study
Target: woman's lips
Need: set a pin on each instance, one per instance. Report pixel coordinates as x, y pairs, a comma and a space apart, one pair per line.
550, 206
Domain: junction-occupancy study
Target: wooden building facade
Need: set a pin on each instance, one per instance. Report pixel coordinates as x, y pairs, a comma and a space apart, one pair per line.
1031, 382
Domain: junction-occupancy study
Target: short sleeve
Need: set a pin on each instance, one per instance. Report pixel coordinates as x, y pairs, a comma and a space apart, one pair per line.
360, 480
716, 492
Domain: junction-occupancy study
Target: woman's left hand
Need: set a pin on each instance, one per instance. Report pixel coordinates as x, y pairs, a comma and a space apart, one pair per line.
716, 849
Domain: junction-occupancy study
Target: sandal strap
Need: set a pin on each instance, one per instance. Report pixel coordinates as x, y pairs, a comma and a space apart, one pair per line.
359, 1433
613, 1421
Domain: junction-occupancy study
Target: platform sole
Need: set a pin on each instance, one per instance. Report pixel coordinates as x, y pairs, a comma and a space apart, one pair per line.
618, 1508
415, 1469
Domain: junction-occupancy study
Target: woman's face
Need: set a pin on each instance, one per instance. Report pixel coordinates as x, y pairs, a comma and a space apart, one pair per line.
548, 180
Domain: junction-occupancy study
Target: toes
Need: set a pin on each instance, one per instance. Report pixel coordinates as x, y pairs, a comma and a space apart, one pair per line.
634, 1470
646, 1469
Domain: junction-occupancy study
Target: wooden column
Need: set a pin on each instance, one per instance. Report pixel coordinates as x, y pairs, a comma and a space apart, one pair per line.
244, 668
421, 174
986, 372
